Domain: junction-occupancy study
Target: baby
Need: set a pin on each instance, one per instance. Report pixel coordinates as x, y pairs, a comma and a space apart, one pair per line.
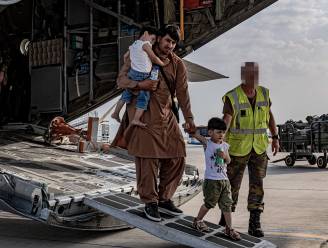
142, 59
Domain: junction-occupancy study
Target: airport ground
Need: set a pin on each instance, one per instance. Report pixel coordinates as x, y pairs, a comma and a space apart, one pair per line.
296, 215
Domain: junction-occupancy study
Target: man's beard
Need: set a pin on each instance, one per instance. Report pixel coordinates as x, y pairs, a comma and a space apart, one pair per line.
165, 50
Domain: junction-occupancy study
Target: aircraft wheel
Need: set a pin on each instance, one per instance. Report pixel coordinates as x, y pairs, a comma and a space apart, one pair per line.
322, 162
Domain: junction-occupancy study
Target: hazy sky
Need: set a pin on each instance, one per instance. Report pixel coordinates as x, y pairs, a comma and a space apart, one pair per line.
289, 40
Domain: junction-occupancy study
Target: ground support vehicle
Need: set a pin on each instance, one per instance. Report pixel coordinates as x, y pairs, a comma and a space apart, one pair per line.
304, 141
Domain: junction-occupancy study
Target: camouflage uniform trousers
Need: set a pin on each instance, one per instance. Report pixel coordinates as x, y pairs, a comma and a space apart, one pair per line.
257, 167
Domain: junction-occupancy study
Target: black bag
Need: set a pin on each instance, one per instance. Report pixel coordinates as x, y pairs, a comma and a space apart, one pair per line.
175, 104
175, 108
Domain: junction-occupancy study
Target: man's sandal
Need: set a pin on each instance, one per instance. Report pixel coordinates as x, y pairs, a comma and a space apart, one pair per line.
231, 233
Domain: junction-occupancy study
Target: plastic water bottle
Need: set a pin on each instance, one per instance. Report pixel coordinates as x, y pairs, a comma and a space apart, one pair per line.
154, 72
219, 160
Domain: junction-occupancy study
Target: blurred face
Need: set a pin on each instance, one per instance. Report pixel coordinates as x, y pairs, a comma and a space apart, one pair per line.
250, 74
166, 44
149, 37
216, 135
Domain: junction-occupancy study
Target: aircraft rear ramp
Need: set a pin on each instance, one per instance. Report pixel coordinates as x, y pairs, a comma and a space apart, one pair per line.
172, 228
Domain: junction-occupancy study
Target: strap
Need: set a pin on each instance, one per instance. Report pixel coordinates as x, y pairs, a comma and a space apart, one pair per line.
166, 81
174, 107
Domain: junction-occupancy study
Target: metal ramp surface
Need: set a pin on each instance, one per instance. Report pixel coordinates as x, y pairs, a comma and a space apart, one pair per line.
172, 228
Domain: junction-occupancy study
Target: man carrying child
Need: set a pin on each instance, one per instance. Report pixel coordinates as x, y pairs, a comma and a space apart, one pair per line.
158, 147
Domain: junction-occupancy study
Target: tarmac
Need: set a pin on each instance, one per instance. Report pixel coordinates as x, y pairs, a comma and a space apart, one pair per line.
295, 216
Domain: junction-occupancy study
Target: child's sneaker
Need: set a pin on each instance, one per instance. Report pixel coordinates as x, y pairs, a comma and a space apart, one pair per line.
232, 233
200, 225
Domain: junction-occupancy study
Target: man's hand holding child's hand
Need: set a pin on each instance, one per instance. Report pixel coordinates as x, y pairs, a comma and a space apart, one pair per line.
189, 127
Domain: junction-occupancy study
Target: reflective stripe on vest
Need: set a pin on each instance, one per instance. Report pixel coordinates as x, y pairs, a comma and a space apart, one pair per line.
237, 106
249, 125
264, 94
248, 131
261, 104
244, 105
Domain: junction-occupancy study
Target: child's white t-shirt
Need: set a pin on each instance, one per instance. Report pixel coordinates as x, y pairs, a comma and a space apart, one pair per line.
214, 170
140, 60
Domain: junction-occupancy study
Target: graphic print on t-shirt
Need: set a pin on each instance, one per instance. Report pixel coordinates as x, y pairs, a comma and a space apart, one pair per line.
218, 162
216, 168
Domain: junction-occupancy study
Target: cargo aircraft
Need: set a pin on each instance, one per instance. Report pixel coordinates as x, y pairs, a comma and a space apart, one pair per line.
61, 58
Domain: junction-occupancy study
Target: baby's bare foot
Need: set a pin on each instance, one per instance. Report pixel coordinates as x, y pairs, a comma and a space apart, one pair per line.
138, 123
116, 116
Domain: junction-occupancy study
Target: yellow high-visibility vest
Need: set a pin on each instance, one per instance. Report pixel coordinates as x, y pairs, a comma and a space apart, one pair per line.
248, 128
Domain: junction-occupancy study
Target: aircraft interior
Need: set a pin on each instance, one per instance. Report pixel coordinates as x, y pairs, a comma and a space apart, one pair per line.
61, 57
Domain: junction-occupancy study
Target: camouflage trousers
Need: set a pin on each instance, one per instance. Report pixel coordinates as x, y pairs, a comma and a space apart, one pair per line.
257, 167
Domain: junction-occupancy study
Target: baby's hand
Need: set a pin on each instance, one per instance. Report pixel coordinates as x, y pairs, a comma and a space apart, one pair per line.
166, 62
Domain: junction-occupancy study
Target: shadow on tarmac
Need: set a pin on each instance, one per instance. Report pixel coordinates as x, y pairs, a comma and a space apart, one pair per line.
282, 169
324, 244
19, 230
25, 228
287, 242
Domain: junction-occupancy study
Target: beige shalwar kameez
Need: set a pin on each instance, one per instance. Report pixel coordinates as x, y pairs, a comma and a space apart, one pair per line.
159, 148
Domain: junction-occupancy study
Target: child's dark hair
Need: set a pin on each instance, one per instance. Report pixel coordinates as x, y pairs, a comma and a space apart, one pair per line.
149, 29
172, 30
216, 123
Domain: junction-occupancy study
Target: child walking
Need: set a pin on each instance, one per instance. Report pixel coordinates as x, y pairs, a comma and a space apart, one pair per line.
216, 188
142, 59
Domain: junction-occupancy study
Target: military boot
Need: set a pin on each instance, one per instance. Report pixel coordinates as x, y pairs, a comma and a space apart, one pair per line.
254, 227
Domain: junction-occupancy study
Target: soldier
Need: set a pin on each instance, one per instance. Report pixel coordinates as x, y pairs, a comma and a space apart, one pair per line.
248, 115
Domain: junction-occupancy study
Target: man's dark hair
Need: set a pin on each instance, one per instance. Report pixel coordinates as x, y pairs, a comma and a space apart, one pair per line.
149, 29
172, 30
216, 123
